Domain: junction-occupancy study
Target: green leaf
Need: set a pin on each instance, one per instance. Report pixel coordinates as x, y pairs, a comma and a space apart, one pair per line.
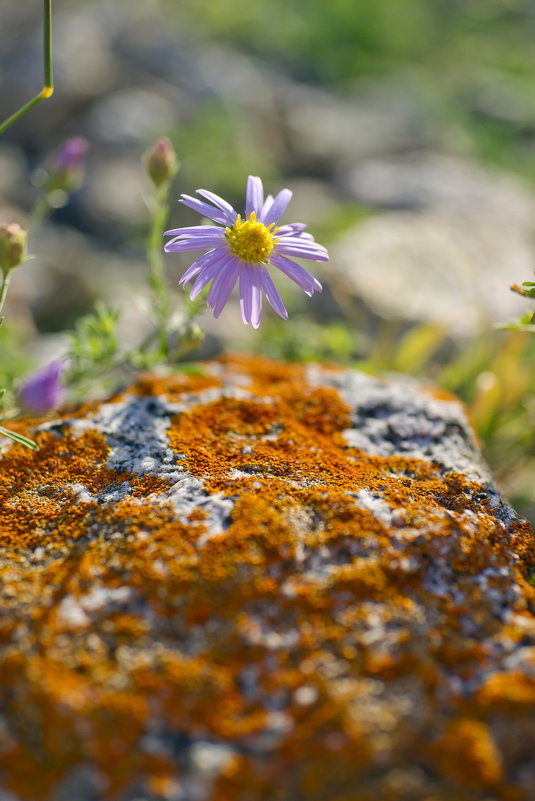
28, 443
418, 346
526, 323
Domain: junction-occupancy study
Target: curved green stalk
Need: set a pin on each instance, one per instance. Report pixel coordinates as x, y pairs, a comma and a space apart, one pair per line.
4, 285
48, 78
28, 443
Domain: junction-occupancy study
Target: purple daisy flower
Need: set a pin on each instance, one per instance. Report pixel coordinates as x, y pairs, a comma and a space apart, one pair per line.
240, 249
42, 391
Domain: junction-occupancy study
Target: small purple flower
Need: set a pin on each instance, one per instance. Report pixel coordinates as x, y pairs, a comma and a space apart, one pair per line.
71, 155
67, 165
42, 391
240, 249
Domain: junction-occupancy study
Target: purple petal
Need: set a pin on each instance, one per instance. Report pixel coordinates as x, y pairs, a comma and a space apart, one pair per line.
195, 243
204, 208
296, 273
209, 272
278, 207
225, 207
42, 391
71, 156
256, 315
251, 294
195, 230
302, 239
254, 199
219, 278
305, 250
292, 229
266, 207
272, 295
223, 285
199, 264
246, 293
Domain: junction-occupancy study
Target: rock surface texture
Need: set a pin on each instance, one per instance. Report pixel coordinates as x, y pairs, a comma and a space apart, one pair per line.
267, 582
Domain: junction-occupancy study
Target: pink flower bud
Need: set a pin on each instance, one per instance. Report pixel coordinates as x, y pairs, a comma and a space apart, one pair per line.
161, 162
12, 246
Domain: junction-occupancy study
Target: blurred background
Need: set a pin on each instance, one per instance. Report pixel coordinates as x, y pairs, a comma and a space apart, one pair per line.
406, 129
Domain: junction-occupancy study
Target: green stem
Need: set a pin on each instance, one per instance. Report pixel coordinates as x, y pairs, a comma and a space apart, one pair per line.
38, 214
47, 47
48, 80
6, 277
157, 281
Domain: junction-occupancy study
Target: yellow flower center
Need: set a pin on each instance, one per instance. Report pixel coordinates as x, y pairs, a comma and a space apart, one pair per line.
250, 240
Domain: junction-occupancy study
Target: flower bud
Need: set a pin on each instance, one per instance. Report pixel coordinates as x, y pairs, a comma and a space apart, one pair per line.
161, 162
66, 168
12, 246
42, 391
190, 337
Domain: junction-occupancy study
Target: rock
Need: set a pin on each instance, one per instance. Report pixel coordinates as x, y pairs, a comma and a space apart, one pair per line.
451, 238
330, 130
438, 181
265, 580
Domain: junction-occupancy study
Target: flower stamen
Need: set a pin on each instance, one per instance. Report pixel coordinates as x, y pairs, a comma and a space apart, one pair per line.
250, 240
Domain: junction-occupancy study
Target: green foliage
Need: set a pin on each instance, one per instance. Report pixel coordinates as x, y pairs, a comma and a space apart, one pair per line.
13, 365
471, 63
15, 361
93, 344
527, 322
302, 339
218, 147
345, 39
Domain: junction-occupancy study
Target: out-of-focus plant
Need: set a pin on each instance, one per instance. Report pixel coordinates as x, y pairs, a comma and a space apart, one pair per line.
42, 391
96, 357
302, 339
526, 323
59, 178
162, 166
12, 253
93, 348
48, 78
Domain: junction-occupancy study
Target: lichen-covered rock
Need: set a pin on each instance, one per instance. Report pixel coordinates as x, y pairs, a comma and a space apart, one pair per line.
265, 582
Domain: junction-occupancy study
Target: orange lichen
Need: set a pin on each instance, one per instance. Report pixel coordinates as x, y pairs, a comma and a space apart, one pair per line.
353, 609
467, 754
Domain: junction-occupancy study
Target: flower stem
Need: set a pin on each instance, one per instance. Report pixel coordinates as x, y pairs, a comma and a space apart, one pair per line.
6, 277
38, 214
157, 281
48, 79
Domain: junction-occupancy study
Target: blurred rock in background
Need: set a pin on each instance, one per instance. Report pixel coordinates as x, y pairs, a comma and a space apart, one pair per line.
446, 240
443, 239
